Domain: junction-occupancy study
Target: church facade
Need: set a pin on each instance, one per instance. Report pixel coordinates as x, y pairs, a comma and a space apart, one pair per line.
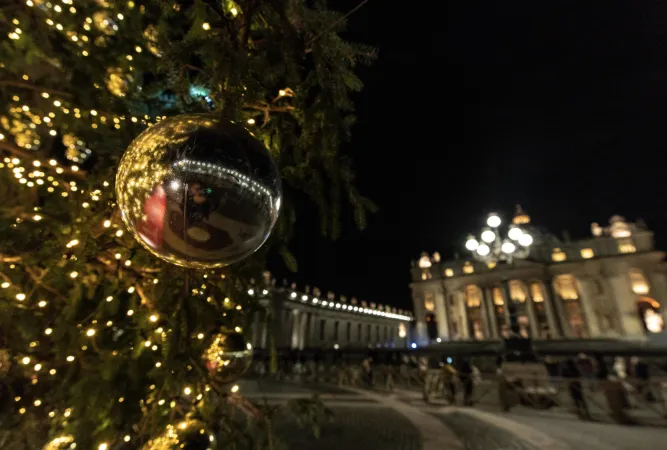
611, 285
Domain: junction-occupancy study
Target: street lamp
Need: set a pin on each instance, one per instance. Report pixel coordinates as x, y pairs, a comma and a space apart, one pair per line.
491, 248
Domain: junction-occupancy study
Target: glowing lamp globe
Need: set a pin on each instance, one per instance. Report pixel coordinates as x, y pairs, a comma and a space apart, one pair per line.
488, 236
525, 240
514, 233
483, 250
508, 247
472, 244
493, 220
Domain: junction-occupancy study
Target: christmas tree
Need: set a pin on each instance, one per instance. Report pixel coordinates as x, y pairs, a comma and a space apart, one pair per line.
102, 345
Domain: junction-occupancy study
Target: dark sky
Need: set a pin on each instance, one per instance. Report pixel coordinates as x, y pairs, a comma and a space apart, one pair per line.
558, 106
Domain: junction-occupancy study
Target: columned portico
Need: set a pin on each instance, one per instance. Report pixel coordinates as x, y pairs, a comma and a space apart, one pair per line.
611, 285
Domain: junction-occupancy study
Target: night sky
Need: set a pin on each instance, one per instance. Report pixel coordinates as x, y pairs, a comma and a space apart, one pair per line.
557, 106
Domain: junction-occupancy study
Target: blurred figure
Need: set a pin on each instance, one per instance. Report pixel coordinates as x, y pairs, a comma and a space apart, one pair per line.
571, 371
640, 371
367, 371
465, 376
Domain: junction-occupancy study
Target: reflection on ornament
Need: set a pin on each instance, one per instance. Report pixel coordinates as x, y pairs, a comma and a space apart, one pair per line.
198, 191
61, 443
188, 435
104, 23
117, 81
150, 34
229, 356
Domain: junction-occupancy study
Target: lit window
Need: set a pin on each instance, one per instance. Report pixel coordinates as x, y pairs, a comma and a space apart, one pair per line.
626, 246
473, 296
587, 253
638, 282
424, 262
558, 255
468, 268
429, 303
536, 292
566, 287
449, 272
426, 275
498, 297
516, 291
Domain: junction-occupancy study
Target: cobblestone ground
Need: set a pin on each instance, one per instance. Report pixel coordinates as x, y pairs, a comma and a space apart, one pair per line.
594, 436
476, 434
355, 428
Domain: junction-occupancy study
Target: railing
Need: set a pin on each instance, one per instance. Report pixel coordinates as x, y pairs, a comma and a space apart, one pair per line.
621, 400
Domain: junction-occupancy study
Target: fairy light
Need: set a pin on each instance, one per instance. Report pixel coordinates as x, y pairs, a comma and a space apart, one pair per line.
107, 223
38, 367
119, 233
70, 358
41, 304
187, 391
130, 312
37, 402
20, 296
90, 332
48, 331
5, 285
153, 318
235, 389
206, 26
74, 274
26, 360
200, 336
109, 298
130, 289
72, 243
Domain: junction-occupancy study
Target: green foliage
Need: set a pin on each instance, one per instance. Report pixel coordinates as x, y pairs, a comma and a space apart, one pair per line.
98, 339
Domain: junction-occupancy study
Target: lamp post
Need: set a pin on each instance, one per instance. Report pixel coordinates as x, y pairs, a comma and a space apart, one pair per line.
492, 248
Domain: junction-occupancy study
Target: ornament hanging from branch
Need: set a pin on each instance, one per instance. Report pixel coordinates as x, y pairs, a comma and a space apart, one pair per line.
198, 191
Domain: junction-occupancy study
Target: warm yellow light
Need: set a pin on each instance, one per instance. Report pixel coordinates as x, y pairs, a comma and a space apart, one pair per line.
5, 285
48, 331
558, 255
117, 256
235, 388
153, 318
53, 132
74, 274
206, 26
107, 223
187, 391
130, 312
36, 217
20, 297
137, 49
251, 121
281, 92
587, 253
103, 446
22, 411
200, 336
130, 289
128, 263
52, 372
72, 243
41, 304
109, 298
119, 233
70, 358
90, 332
127, 438
25, 360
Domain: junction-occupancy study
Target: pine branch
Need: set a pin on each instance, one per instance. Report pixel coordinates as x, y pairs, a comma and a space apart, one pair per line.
34, 87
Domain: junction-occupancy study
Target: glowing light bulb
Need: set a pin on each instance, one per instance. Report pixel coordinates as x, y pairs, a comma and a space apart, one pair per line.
472, 244
483, 250
493, 220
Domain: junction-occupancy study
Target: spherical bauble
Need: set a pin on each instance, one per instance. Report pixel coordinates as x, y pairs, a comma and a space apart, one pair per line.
61, 443
229, 356
186, 435
198, 191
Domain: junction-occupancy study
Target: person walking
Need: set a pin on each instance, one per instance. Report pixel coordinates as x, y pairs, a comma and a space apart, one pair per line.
571, 371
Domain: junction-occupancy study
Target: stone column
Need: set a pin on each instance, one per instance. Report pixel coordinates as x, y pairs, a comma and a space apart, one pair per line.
420, 316
483, 312
460, 299
554, 328
530, 308
658, 291
303, 322
441, 315
491, 311
296, 325
586, 296
626, 301
559, 308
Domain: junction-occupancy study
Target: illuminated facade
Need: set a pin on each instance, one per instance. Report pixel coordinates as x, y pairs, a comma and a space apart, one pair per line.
611, 285
310, 319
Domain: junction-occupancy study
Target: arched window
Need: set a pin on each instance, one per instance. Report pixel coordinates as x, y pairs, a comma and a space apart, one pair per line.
474, 303
429, 301
473, 296
516, 291
638, 282
566, 288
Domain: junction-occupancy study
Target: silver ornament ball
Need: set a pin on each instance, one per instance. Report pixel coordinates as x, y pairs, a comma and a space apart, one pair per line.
198, 191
